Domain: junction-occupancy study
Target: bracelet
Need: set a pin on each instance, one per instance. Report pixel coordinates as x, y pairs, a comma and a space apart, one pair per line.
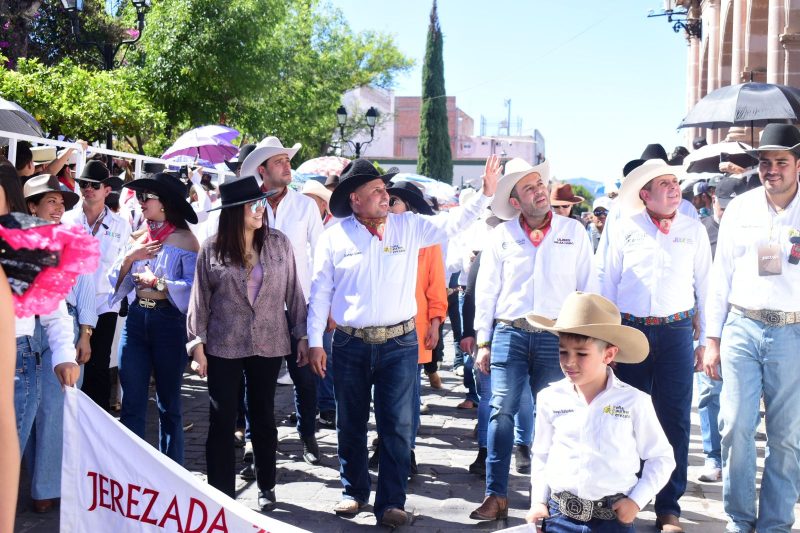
486, 344
88, 330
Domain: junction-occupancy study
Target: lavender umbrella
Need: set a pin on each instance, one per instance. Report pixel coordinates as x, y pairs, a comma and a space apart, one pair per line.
208, 143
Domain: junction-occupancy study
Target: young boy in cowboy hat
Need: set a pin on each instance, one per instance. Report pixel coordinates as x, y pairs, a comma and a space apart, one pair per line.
592, 430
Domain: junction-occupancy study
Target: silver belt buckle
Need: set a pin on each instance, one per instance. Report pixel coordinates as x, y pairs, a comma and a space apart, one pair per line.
773, 318
575, 507
375, 335
147, 303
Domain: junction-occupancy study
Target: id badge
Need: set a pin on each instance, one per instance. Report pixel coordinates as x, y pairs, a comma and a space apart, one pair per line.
769, 259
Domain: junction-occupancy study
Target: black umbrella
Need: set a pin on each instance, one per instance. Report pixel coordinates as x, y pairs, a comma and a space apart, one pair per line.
16, 120
746, 104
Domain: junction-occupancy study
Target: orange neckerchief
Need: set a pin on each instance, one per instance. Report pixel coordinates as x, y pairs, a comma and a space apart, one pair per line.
537, 235
275, 200
663, 223
374, 225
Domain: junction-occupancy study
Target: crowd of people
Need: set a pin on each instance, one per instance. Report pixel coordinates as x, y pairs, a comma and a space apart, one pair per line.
579, 338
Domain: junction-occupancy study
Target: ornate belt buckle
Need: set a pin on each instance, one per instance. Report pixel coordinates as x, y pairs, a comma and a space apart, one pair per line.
374, 335
773, 318
575, 507
147, 303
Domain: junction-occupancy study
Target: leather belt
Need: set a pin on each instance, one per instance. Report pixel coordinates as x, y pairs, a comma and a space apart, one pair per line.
379, 334
520, 323
768, 316
584, 510
148, 303
658, 320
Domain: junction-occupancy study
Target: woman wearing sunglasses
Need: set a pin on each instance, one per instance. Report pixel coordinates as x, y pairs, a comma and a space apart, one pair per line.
159, 268
245, 279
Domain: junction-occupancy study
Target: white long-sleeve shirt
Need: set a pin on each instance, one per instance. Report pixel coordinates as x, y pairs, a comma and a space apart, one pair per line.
59, 327
364, 281
516, 277
648, 273
749, 222
593, 450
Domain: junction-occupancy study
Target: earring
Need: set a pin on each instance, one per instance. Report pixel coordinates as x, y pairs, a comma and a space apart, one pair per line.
162, 209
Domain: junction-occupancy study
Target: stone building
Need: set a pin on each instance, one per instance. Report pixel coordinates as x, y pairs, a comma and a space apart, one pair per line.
734, 41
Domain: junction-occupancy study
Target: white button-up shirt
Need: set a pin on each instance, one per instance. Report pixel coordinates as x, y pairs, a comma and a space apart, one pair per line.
298, 218
59, 328
593, 450
748, 223
516, 277
648, 273
112, 234
364, 281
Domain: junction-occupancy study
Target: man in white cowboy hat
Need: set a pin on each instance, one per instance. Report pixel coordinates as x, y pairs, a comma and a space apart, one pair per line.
365, 275
592, 430
297, 216
656, 271
112, 232
754, 324
322, 196
532, 262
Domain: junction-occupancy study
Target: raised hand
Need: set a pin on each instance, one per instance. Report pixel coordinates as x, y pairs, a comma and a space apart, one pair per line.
491, 173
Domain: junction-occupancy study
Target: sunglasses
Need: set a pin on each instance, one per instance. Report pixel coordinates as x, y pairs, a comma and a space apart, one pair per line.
258, 203
394, 201
83, 184
144, 196
600, 212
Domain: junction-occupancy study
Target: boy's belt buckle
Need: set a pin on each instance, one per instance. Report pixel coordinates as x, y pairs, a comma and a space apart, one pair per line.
147, 303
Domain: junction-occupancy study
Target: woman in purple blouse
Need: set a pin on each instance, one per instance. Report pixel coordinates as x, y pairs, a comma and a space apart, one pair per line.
245, 291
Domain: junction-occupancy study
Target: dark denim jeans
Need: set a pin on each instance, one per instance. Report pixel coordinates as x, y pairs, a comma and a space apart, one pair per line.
305, 393
519, 359
392, 369
153, 342
667, 375
558, 523
326, 401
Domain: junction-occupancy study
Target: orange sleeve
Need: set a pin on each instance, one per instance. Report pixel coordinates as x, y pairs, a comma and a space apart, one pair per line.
435, 291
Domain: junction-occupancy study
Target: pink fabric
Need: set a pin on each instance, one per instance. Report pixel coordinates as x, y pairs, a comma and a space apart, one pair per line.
79, 254
254, 282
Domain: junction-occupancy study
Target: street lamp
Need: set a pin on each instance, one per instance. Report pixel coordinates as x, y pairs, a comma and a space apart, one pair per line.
108, 50
371, 117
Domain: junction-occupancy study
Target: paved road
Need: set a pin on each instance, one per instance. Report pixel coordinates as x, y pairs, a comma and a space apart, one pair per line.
443, 494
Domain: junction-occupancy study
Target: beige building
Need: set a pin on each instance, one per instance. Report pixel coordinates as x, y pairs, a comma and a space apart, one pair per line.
739, 41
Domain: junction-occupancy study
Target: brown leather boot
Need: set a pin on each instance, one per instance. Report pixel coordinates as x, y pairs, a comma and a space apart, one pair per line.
668, 523
492, 508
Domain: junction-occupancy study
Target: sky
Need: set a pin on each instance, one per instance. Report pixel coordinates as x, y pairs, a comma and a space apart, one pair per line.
599, 80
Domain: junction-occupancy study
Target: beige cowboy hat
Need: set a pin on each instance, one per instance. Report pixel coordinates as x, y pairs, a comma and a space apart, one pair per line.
268, 147
43, 154
628, 199
592, 315
515, 170
315, 188
38, 186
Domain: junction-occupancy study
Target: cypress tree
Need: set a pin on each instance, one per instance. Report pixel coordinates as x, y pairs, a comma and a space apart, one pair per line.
435, 159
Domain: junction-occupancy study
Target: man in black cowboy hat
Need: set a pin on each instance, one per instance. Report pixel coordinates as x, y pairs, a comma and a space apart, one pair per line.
365, 261
112, 232
754, 322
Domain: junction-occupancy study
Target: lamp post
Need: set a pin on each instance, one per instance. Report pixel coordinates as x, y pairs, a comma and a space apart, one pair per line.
371, 117
108, 50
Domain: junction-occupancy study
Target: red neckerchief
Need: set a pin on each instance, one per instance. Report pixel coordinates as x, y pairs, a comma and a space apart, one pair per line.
537, 235
157, 231
326, 218
66, 182
374, 225
663, 223
276, 199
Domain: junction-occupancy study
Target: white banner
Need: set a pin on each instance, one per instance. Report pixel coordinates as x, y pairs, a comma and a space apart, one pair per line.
113, 481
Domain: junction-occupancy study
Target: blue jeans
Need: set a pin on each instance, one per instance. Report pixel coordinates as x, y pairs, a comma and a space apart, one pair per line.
43, 453
521, 361
523, 419
392, 368
153, 342
305, 393
558, 523
760, 360
708, 408
469, 379
666, 375
326, 401
27, 386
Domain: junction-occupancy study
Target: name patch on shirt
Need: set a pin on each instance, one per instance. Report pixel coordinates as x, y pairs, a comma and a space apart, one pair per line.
393, 249
112, 234
683, 240
632, 238
617, 411
354, 251
562, 412
506, 244
563, 240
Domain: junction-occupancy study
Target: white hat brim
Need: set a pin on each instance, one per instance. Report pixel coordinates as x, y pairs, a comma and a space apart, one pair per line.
628, 199
259, 155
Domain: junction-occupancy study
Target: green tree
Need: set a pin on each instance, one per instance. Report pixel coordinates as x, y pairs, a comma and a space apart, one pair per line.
588, 198
435, 158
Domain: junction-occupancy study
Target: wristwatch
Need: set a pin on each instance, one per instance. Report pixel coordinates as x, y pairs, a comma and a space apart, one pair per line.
161, 284
88, 330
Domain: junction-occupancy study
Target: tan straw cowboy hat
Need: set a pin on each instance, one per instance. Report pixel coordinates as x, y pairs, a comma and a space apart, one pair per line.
592, 315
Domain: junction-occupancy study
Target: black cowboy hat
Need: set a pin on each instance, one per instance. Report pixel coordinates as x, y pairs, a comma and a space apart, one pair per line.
654, 151
356, 173
236, 162
168, 188
777, 138
96, 171
241, 191
411, 195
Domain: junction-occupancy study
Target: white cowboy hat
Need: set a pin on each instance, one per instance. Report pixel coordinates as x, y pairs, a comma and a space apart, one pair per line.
593, 316
515, 170
629, 200
315, 188
268, 147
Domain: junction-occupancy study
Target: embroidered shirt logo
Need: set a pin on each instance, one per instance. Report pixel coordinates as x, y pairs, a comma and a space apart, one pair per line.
563, 240
634, 237
506, 244
561, 412
616, 411
354, 251
683, 240
393, 249
112, 234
